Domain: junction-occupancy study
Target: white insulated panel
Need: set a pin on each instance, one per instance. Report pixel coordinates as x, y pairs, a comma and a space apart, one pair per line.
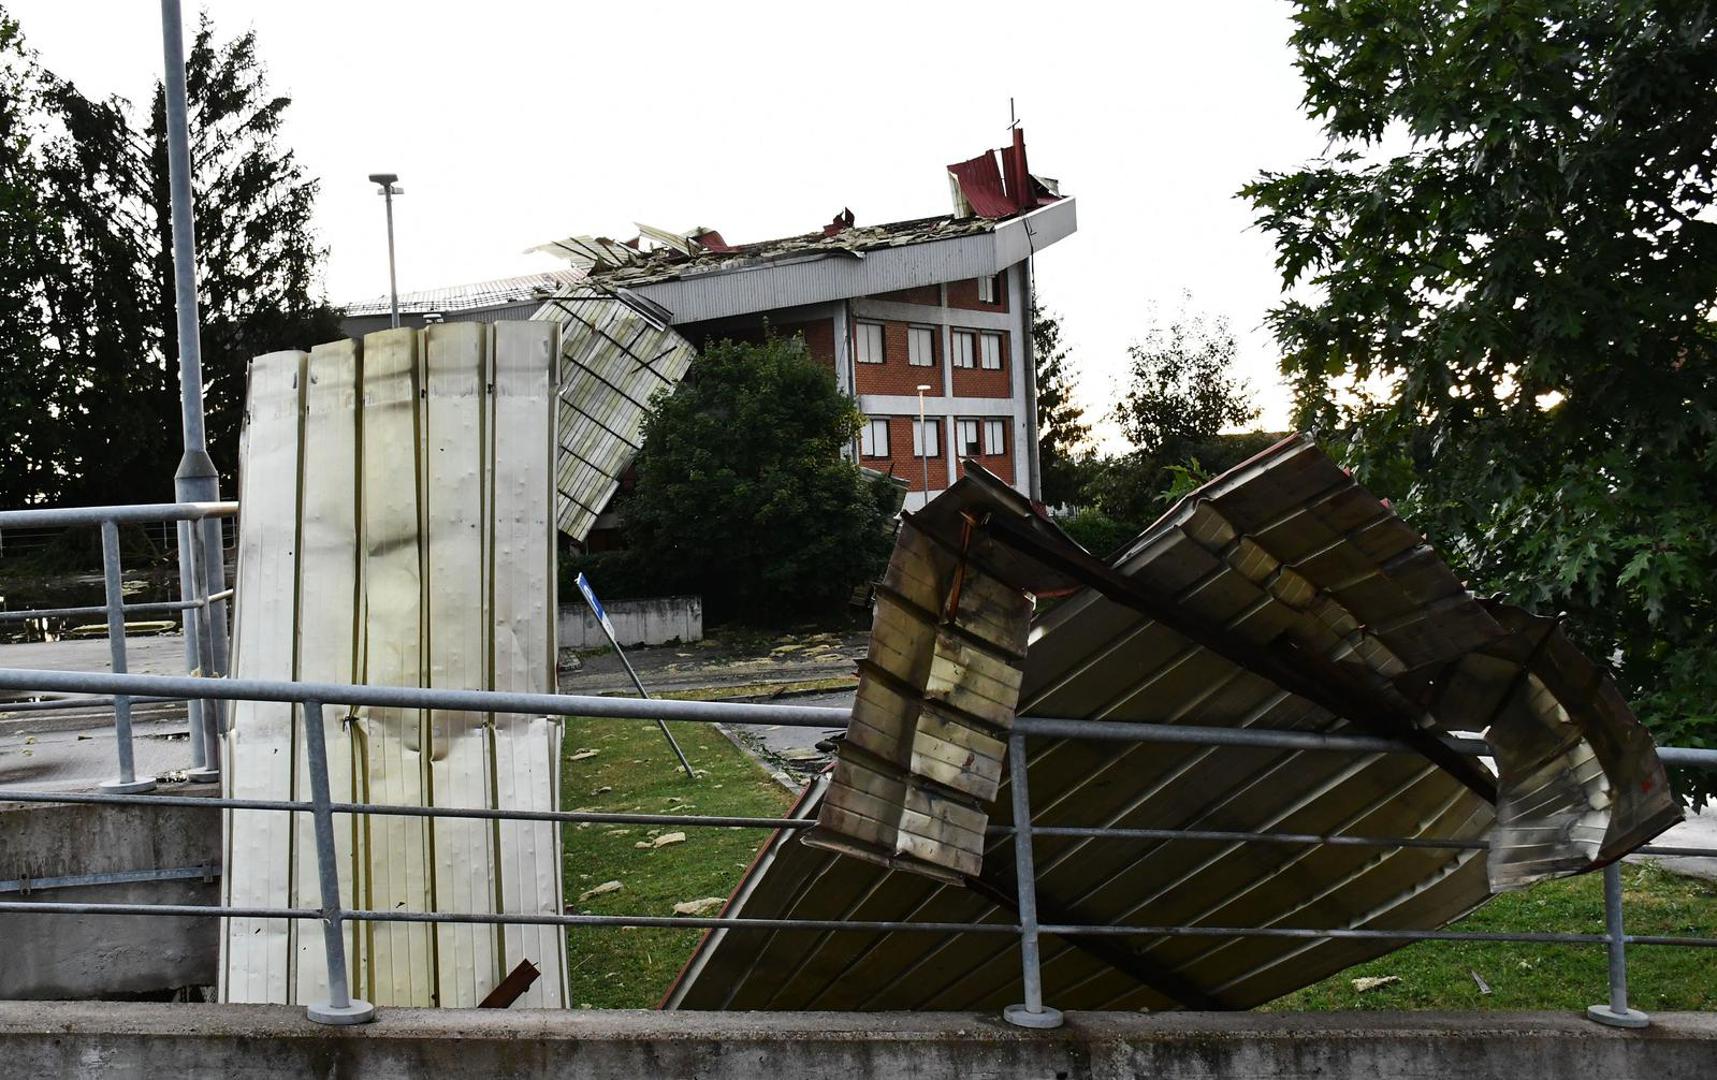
398, 529
259, 748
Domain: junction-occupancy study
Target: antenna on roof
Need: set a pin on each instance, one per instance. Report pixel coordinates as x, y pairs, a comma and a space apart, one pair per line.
1013, 121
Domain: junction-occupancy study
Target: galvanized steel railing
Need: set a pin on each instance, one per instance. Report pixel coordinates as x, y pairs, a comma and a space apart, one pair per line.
340, 1008
202, 613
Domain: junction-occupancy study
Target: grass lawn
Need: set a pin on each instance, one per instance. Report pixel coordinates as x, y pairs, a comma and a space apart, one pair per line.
1438, 974
631, 968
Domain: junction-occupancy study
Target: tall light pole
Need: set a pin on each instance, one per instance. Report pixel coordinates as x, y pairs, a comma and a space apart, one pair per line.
196, 479
923, 440
388, 190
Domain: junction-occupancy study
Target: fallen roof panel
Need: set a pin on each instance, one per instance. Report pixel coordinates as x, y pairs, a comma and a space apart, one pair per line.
1280, 596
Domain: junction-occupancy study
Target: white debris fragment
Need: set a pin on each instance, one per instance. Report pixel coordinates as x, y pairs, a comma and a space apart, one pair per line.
601, 890
1367, 983
699, 907
583, 754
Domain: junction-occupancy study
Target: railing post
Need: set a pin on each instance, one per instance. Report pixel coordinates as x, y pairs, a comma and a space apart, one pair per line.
1616, 1013
341, 1007
128, 782
209, 634
1031, 1013
205, 752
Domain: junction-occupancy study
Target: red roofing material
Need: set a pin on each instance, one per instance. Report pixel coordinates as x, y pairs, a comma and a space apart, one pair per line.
981, 183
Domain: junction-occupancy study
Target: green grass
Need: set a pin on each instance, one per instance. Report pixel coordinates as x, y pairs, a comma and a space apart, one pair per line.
1438, 974
631, 968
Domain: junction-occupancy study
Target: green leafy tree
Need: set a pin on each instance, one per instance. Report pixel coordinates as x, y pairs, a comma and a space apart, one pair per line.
743, 494
1182, 388
1507, 327
1063, 435
1181, 395
88, 344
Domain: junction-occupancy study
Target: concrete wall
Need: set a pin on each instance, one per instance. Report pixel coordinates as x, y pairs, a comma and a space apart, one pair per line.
105, 956
189, 1042
655, 621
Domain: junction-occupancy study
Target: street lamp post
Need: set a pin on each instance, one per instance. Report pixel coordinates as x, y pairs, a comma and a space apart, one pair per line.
388, 189
923, 440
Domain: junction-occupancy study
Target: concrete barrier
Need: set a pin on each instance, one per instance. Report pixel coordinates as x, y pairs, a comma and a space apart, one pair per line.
655, 621
99, 956
195, 1041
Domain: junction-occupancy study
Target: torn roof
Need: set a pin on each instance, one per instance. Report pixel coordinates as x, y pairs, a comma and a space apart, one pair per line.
497, 292
1280, 596
619, 264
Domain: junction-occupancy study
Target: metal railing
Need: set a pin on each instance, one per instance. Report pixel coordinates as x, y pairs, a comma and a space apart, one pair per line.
341, 1008
202, 612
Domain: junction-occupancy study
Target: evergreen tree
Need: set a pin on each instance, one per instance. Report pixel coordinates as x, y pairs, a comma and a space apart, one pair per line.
1063, 436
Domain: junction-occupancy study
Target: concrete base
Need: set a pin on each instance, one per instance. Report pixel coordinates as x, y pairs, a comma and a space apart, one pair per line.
1627, 1018
60, 956
188, 1042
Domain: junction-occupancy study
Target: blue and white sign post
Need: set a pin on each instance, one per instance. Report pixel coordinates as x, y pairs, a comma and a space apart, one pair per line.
608, 628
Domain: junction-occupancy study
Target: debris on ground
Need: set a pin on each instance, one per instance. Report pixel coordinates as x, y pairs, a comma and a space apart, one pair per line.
601, 890
699, 907
1367, 983
662, 841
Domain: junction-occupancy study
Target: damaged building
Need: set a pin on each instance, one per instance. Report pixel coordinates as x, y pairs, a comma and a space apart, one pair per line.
942, 302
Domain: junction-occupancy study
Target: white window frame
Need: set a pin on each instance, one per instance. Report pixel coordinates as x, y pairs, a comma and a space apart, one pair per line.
964, 446
965, 348
873, 426
920, 346
869, 333
989, 289
990, 351
933, 426
995, 437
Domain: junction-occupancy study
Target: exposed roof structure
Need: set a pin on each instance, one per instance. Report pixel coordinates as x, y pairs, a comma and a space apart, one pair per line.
621, 265
482, 294
1280, 596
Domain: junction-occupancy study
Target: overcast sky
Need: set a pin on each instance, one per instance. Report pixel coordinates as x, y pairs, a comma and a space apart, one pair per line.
512, 123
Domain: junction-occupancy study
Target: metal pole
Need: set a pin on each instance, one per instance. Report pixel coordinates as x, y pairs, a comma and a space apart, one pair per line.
923, 445
1616, 1013
393, 286
211, 639
202, 750
1032, 1013
643, 693
196, 479
340, 1008
129, 782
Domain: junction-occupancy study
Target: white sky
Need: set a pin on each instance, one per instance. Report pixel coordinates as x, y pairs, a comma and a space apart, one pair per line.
512, 123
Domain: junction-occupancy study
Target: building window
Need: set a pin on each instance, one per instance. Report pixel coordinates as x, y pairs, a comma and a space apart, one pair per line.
992, 351
869, 343
995, 436
926, 438
873, 438
990, 289
966, 437
920, 346
965, 348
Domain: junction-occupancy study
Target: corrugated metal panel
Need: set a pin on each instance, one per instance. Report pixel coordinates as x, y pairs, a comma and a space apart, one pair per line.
399, 503
496, 292
613, 359
1286, 558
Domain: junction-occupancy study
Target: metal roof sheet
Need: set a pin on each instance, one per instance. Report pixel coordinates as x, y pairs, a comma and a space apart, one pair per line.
497, 292
1280, 596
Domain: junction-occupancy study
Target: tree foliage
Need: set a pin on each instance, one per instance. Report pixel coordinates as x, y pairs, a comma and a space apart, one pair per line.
743, 494
88, 339
1182, 388
1508, 325
1063, 435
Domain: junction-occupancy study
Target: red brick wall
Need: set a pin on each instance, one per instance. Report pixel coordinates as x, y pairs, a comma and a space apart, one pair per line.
985, 382
964, 294
900, 456
894, 375
819, 339
1000, 464
924, 294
